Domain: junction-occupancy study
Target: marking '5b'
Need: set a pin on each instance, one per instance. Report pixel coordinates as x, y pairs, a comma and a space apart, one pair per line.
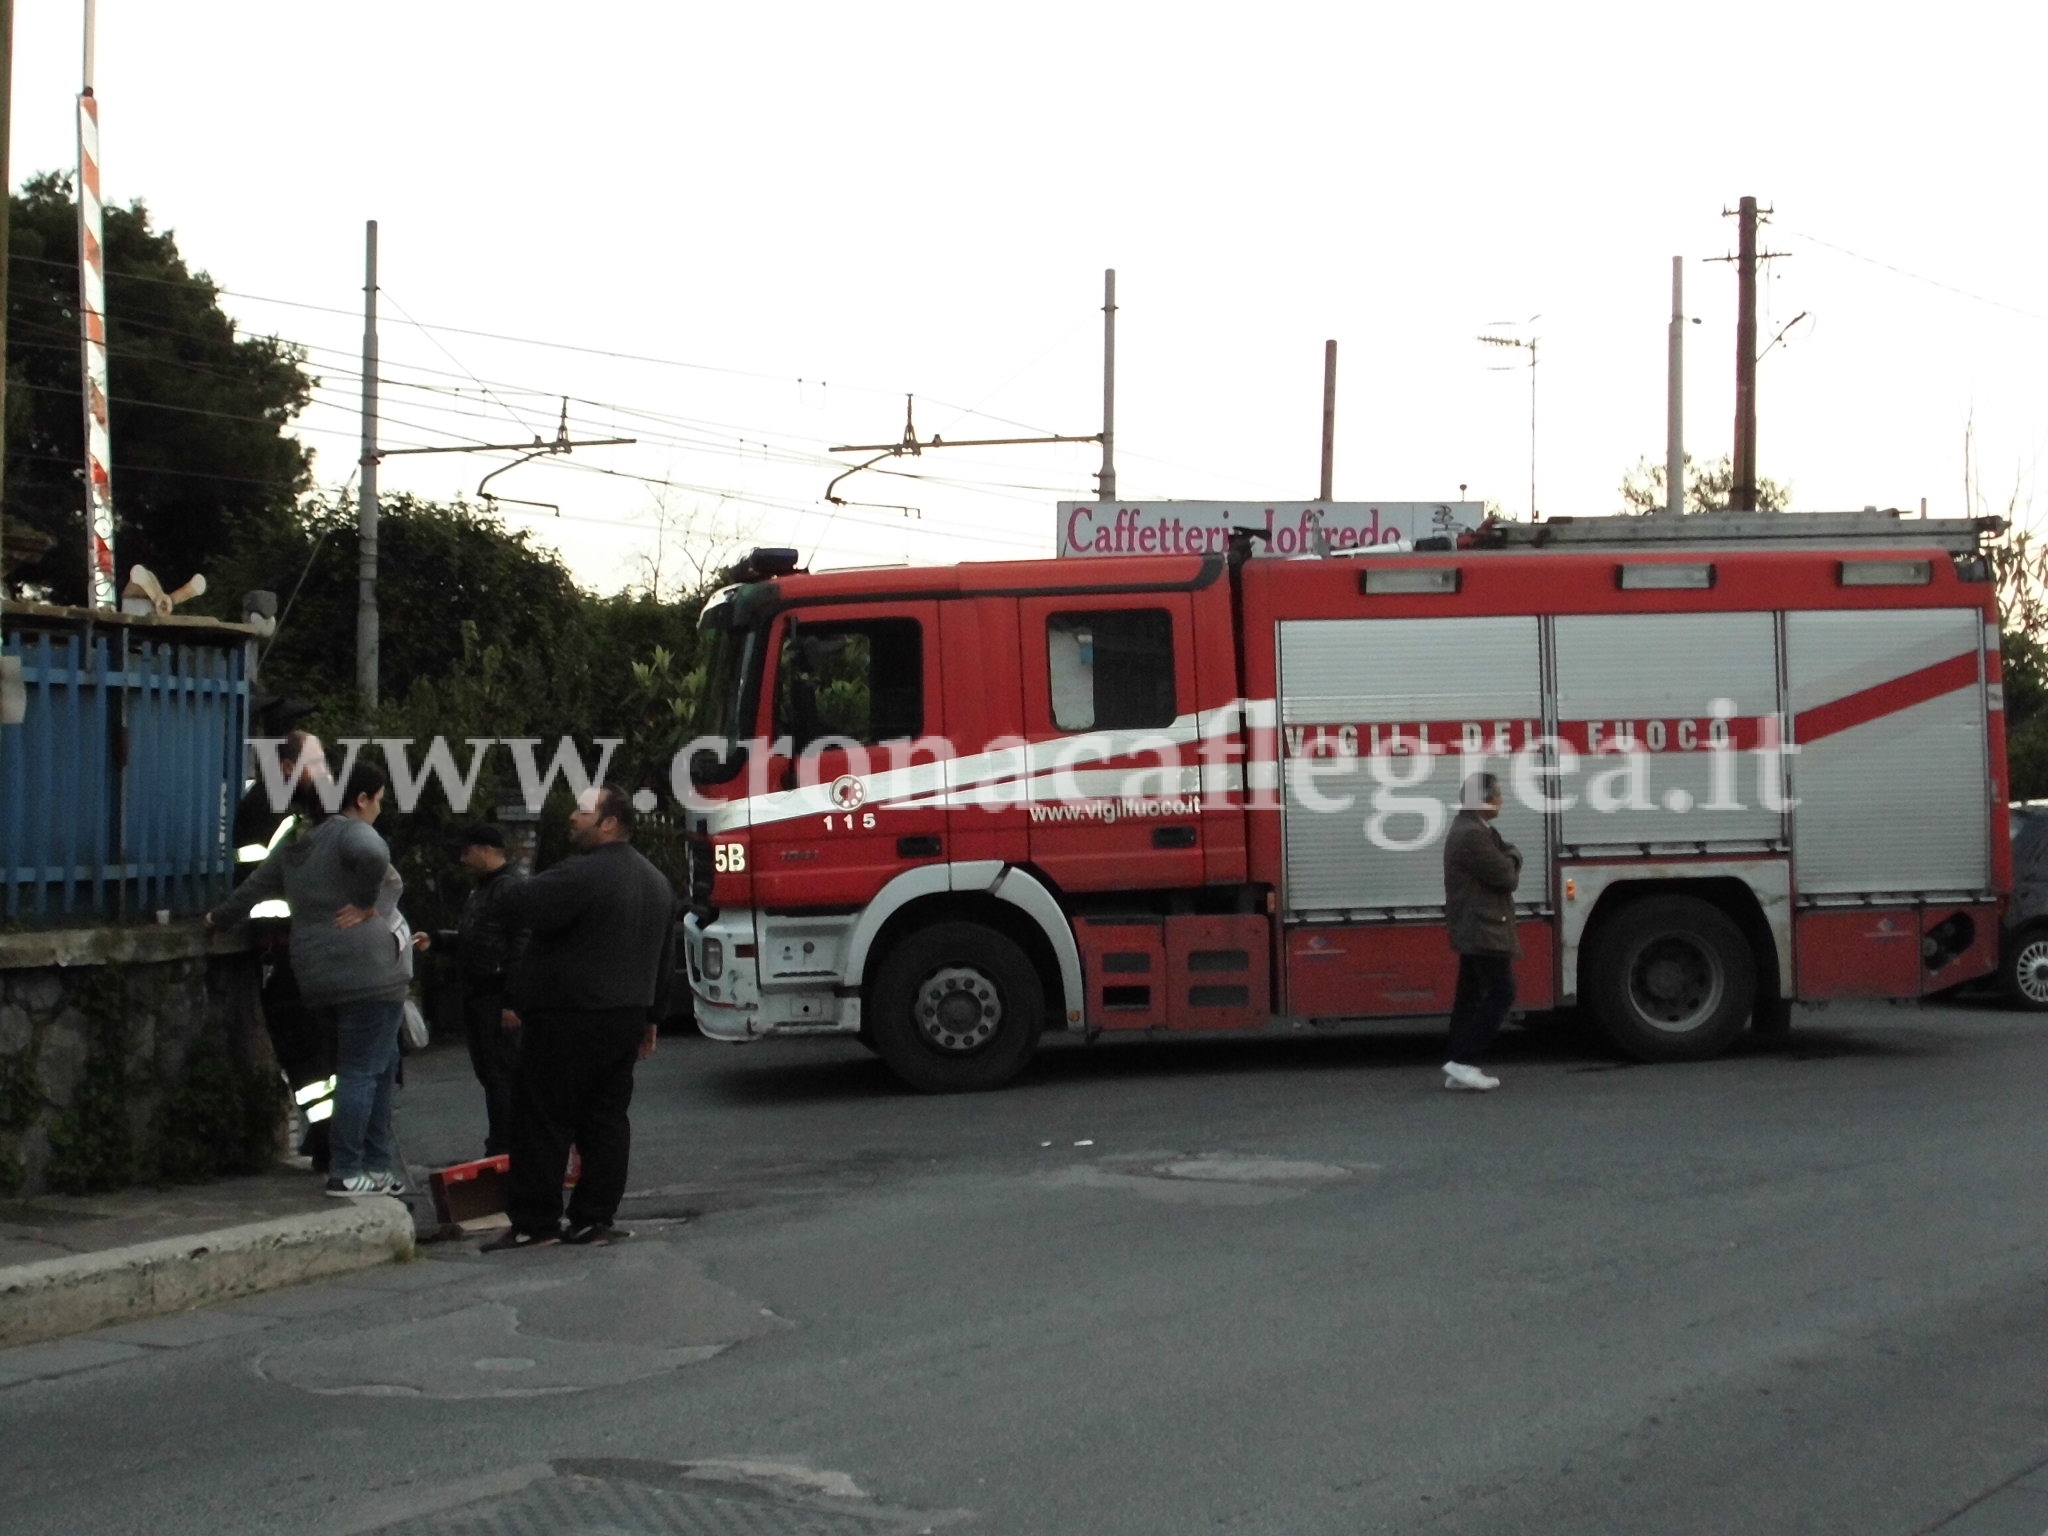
728, 858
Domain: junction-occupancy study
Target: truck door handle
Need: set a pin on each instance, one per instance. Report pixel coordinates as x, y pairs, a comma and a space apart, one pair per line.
926, 847
1173, 837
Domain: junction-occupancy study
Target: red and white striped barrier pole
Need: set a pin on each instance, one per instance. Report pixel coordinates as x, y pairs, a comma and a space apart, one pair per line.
101, 590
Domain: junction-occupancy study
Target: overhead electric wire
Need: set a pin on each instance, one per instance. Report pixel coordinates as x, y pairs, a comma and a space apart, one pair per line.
458, 362
528, 341
763, 442
1932, 282
128, 466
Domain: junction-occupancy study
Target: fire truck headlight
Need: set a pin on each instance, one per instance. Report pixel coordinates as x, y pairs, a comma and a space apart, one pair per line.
714, 959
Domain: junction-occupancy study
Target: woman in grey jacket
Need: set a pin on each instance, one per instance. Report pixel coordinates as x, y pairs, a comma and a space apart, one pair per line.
352, 952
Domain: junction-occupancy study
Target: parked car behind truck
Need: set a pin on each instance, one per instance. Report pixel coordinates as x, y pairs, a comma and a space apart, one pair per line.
2023, 962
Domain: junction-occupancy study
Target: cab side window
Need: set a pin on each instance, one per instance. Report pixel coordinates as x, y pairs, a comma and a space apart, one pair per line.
1111, 670
862, 679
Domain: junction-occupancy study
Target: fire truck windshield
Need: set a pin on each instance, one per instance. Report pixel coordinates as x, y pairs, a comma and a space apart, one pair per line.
728, 657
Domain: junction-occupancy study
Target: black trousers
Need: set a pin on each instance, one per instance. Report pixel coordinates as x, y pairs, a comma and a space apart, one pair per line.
493, 1054
1486, 991
573, 1086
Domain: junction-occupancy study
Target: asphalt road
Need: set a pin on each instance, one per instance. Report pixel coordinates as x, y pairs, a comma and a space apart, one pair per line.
1286, 1287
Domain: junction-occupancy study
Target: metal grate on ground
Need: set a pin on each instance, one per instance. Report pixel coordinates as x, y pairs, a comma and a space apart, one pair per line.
588, 1506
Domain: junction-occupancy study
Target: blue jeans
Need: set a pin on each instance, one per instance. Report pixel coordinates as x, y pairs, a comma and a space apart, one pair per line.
366, 1060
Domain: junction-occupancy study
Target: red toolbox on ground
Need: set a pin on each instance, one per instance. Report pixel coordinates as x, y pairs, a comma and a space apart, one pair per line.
470, 1191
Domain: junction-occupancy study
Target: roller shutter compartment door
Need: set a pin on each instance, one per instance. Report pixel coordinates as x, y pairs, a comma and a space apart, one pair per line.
1656, 678
1444, 674
1889, 780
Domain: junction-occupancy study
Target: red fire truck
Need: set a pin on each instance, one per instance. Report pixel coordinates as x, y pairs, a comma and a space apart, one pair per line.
1751, 760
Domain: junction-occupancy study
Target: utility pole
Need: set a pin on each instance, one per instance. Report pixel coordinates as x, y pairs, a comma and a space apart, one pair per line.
1105, 480
1674, 397
1533, 514
1329, 415
1742, 489
366, 512
100, 589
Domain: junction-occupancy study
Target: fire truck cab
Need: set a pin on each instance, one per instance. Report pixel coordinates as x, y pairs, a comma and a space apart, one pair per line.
1749, 760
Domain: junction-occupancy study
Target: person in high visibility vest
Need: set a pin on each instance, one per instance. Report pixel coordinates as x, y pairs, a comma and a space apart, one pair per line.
352, 954
300, 1037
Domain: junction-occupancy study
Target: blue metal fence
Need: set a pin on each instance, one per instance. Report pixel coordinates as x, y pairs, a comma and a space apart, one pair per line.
118, 788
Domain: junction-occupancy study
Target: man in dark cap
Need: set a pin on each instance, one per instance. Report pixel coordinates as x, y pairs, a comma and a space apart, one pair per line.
484, 945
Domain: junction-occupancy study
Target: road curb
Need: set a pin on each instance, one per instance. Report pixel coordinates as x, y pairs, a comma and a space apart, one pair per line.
58, 1297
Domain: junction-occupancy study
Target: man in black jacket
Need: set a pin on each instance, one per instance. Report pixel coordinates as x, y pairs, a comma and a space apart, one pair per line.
588, 993
1480, 875
485, 946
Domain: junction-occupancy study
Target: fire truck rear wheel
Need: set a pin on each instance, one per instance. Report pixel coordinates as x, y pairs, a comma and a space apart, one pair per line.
1673, 979
957, 1008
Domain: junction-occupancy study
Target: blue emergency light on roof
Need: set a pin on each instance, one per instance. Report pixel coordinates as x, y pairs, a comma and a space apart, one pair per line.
765, 564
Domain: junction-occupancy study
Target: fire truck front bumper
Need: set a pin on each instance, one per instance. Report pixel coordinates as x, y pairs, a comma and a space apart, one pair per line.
732, 1002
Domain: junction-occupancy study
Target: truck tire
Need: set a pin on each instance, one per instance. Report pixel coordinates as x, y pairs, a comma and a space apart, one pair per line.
2024, 974
957, 1008
1673, 979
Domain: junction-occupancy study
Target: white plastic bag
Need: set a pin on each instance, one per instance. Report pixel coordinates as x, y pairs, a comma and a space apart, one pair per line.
412, 1030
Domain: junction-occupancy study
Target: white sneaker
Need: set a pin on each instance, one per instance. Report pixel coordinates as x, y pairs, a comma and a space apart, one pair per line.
1458, 1075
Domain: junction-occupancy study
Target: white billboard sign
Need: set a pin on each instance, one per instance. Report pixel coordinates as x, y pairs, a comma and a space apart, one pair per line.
1204, 527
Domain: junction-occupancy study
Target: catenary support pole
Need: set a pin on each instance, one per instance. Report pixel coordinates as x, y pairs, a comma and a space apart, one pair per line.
1329, 417
1742, 489
1105, 481
1674, 397
366, 525
100, 588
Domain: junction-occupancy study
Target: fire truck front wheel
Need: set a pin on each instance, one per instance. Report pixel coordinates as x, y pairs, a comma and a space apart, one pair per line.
956, 1008
1673, 979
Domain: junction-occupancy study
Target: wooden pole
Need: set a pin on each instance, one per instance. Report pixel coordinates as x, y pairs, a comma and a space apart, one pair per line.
1329, 415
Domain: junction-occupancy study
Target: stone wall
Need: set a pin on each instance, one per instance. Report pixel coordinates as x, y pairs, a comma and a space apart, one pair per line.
128, 1055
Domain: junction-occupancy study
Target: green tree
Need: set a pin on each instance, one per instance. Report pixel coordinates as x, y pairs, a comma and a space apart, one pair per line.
1706, 487
198, 412
483, 634
2020, 567
441, 567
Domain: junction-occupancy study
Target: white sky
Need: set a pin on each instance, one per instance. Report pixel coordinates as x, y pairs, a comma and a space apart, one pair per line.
890, 198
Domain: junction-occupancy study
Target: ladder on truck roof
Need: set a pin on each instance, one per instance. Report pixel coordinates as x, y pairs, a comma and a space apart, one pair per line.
1872, 528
